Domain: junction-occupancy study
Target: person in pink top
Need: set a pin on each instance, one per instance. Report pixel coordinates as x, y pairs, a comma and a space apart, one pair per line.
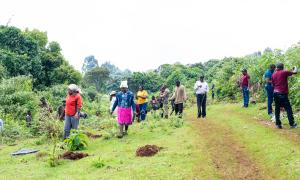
281, 90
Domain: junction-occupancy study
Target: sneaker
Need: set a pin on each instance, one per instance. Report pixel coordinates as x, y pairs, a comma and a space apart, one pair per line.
125, 133
294, 126
278, 126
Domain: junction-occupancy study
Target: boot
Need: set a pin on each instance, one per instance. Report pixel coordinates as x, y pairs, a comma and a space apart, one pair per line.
120, 135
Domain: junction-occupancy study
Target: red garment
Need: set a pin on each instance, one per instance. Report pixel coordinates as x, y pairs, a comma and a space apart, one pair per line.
244, 81
71, 104
280, 81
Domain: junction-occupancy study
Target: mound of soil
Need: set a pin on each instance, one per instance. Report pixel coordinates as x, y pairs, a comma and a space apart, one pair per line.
74, 155
148, 150
93, 136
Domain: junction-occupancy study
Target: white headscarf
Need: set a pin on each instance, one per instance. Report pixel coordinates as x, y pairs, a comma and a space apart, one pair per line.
124, 84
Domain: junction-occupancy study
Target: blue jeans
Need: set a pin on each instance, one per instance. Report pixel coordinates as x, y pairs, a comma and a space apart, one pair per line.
270, 95
70, 123
143, 111
246, 96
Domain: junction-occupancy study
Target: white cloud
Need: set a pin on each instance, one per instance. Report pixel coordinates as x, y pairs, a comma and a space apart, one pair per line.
141, 35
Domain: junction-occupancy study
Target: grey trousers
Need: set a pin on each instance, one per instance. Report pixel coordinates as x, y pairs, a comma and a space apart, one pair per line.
70, 123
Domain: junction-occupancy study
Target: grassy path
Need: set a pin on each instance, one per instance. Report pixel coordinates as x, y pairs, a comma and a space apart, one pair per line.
242, 147
232, 143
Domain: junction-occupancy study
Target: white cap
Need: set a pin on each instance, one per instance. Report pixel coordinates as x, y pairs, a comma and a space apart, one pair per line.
124, 84
74, 88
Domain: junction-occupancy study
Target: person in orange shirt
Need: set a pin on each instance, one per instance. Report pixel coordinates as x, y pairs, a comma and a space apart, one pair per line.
72, 109
142, 102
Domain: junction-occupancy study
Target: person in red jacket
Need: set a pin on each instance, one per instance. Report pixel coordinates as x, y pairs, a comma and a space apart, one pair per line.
281, 90
72, 109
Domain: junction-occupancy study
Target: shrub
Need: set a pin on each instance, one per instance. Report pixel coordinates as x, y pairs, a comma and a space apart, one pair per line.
98, 163
77, 140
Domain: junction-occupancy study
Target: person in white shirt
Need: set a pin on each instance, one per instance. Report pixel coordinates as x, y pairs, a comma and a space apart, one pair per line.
201, 88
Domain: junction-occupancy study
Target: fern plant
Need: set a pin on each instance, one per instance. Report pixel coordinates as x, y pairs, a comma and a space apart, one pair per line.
77, 140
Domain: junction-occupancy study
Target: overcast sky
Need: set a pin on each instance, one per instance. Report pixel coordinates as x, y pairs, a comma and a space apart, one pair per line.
142, 35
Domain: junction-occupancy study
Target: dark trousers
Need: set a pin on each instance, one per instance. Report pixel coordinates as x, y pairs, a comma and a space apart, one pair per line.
282, 100
143, 111
201, 104
246, 96
270, 95
179, 109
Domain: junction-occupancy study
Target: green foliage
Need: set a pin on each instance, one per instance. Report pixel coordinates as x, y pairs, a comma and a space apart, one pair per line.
12, 131
16, 97
98, 163
89, 63
29, 53
77, 140
176, 122
53, 157
97, 77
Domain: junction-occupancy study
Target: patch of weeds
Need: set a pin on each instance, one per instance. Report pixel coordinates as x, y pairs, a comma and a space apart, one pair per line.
77, 140
176, 122
53, 157
42, 140
98, 163
109, 133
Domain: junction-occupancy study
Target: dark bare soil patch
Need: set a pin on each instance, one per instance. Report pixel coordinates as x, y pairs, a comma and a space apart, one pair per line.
148, 150
74, 155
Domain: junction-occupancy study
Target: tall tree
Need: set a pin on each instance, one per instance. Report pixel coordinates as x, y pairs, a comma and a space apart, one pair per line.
89, 63
97, 77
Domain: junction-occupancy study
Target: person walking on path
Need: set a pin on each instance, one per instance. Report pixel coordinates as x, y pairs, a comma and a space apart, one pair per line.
72, 110
142, 96
126, 106
180, 97
269, 89
164, 95
201, 88
244, 85
281, 90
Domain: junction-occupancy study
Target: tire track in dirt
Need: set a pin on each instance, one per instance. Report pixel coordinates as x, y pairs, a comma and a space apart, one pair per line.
228, 156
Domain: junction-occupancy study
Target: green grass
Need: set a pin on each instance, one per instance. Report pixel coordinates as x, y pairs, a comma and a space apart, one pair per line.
184, 154
279, 155
180, 157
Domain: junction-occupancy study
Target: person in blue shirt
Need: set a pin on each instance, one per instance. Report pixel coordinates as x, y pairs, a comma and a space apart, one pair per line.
269, 88
126, 108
